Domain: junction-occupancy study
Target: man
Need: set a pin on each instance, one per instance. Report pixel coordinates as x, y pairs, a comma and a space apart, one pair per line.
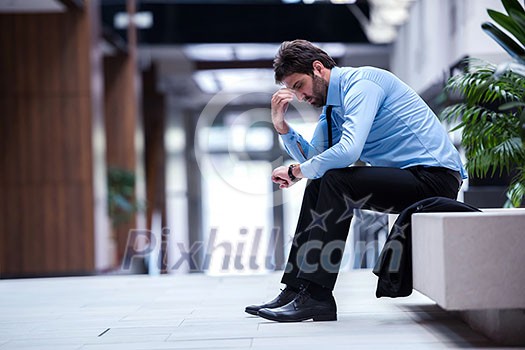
368, 115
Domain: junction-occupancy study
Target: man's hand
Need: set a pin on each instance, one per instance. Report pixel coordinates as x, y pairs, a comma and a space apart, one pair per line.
280, 176
280, 101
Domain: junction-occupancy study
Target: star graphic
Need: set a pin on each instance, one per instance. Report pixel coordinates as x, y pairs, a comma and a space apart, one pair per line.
351, 205
360, 214
318, 220
399, 231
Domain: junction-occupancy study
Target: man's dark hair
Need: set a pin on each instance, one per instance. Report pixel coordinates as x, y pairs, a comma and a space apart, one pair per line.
298, 56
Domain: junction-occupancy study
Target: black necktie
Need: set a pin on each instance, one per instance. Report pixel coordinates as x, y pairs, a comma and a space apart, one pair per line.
329, 125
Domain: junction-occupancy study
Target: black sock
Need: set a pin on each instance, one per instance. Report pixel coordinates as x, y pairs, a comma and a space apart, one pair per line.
317, 291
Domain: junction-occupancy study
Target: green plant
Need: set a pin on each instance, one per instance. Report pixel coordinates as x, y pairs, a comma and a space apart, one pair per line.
121, 195
514, 23
492, 136
492, 112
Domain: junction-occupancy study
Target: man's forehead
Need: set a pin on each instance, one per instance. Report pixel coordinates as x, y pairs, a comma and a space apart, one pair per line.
290, 80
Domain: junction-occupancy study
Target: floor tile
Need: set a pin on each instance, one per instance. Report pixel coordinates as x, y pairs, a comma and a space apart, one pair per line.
196, 311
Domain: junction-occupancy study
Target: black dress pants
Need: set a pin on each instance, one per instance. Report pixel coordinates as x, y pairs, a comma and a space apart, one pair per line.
328, 205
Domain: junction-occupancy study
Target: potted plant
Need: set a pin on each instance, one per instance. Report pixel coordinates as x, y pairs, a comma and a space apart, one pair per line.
121, 195
491, 113
122, 205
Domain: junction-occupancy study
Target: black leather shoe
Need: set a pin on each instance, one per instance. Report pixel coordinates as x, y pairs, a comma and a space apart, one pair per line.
283, 298
302, 308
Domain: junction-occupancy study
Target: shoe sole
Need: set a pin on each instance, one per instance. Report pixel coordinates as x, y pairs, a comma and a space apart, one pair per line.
332, 317
252, 312
316, 318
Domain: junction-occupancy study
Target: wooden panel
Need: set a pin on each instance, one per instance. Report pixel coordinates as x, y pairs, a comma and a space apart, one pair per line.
74, 242
70, 141
46, 139
3, 235
69, 53
25, 197
17, 82
46, 177
35, 228
87, 246
13, 244
7, 58
120, 112
3, 187
47, 236
33, 65
121, 124
22, 118
154, 128
11, 140
83, 51
51, 62
4, 141
155, 153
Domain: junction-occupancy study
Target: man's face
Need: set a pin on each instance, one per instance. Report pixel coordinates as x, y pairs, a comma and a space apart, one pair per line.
312, 89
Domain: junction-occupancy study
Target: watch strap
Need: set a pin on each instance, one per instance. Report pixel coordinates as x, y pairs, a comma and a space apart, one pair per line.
290, 172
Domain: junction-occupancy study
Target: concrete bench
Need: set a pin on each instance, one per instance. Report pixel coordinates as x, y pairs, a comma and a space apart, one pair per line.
474, 263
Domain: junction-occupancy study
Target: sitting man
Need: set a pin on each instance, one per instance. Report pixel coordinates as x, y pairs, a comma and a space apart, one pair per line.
369, 115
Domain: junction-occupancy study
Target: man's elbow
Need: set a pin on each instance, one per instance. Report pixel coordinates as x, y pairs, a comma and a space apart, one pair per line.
347, 156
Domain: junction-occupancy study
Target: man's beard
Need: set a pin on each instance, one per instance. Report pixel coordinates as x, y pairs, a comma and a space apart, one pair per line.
319, 91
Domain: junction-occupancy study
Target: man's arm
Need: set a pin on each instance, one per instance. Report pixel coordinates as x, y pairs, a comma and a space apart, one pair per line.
280, 101
294, 143
361, 104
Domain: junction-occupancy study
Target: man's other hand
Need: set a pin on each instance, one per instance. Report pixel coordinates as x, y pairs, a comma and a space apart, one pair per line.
280, 176
280, 101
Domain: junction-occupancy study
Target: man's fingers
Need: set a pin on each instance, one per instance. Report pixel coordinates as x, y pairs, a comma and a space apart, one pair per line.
282, 100
283, 91
283, 183
283, 95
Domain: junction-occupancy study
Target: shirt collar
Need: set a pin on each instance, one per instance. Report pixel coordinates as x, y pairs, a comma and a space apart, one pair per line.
333, 96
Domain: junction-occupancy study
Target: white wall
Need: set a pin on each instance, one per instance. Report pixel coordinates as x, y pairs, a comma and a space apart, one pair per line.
438, 34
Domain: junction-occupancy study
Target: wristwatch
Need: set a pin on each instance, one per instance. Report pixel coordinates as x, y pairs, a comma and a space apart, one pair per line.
290, 172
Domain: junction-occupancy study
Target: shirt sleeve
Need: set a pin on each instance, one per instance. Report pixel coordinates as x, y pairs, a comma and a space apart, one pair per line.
300, 149
361, 103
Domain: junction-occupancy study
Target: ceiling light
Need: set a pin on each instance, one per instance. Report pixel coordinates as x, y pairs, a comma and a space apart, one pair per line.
337, 2
142, 20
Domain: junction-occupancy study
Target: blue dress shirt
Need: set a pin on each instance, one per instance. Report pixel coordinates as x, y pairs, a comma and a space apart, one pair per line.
375, 118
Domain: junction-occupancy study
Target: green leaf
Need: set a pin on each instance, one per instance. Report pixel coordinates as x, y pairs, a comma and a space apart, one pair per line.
519, 18
510, 5
512, 26
511, 105
516, 190
121, 195
507, 43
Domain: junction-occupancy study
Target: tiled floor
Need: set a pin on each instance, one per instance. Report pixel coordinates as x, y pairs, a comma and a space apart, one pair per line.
201, 312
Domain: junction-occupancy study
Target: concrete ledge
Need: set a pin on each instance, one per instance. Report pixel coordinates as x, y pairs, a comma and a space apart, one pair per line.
474, 263
467, 261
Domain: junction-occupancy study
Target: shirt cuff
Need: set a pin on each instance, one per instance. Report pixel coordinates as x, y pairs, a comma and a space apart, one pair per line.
310, 170
289, 137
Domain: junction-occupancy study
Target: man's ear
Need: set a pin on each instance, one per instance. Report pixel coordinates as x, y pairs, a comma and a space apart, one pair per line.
318, 67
